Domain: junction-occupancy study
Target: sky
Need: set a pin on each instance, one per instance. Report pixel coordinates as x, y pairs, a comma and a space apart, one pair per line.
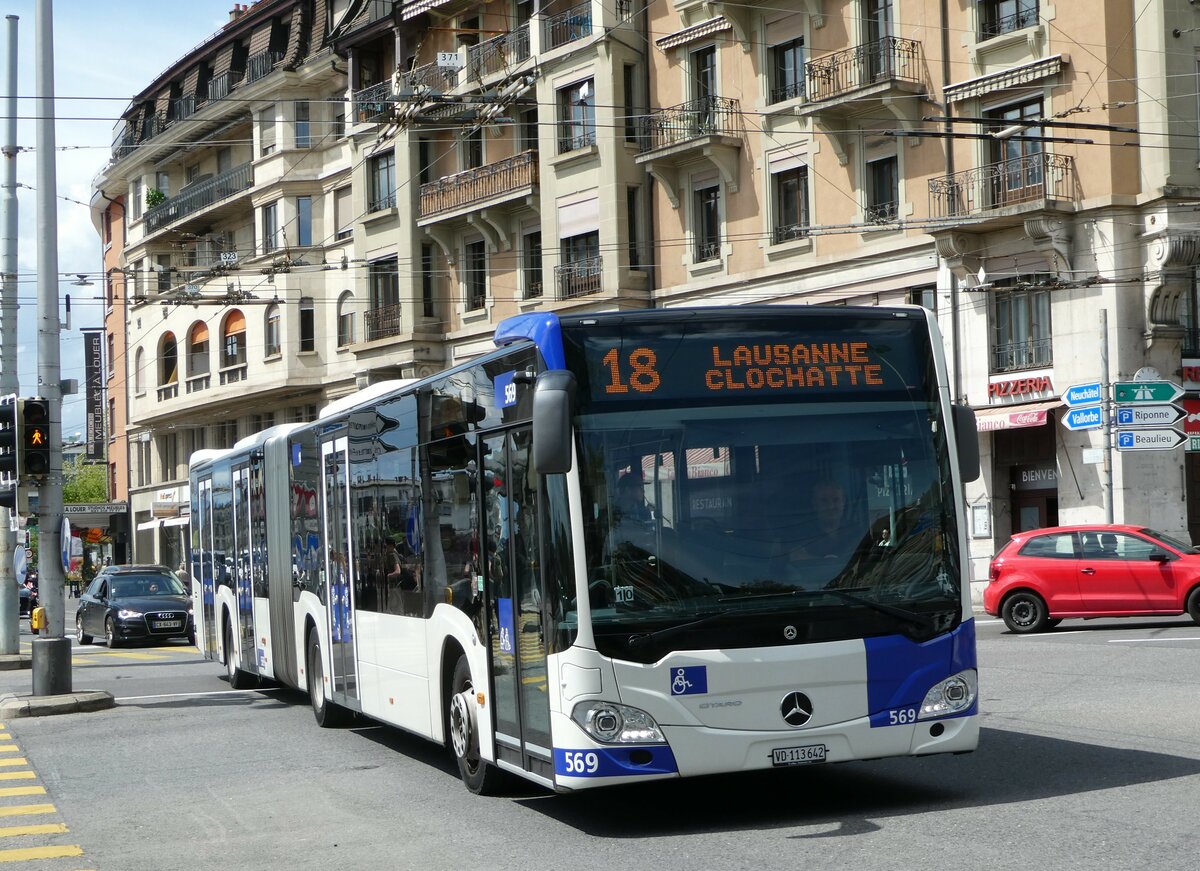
104, 53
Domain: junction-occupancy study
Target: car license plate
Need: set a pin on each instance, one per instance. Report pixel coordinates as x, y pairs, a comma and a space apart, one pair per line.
168, 624
805, 755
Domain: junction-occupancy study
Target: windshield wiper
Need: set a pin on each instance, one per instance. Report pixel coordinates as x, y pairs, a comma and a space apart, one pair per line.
920, 621
636, 642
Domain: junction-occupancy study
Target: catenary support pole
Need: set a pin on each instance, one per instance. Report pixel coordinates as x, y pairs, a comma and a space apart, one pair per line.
1106, 418
10, 618
51, 652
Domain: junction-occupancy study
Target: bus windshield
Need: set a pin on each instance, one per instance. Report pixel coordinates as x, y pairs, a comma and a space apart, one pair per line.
710, 516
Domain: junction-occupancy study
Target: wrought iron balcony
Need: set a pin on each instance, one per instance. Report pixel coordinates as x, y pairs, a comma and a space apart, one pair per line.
199, 196
789, 233
220, 87
1033, 178
261, 64
888, 59
429, 76
1031, 353
1025, 16
498, 54
124, 143
182, 108
881, 213
374, 103
575, 23
383, 321
790, 91
708, 116
477, 185
578, 278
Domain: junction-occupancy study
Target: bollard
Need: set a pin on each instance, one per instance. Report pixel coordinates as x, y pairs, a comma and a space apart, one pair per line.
51, 666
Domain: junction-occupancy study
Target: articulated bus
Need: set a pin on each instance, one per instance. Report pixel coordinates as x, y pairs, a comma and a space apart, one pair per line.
620, 547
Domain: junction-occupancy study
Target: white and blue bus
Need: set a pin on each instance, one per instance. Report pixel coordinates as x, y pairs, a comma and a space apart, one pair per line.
620, 547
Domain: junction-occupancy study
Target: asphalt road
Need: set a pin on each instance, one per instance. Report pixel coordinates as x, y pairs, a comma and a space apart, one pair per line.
1090, 758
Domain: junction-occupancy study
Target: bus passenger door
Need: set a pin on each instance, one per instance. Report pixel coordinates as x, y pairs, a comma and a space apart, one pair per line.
242, 570
516, 631
206, 573
339, 586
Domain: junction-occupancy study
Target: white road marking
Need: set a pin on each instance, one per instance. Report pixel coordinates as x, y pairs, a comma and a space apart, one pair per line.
1055, 634
1146, 640
196, 695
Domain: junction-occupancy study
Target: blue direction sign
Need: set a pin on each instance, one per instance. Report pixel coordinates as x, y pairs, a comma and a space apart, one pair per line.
1146, 391
1165, 414
1149, 439
1084, 417
1083, 394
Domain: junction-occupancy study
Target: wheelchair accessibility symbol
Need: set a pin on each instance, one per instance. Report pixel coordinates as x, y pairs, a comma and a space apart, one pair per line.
689, 680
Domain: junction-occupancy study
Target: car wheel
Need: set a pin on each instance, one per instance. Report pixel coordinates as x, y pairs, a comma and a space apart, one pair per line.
238, 679
1193, 604
1024, 613
191, 637
81, 636
110, 633
479, 776
327, 714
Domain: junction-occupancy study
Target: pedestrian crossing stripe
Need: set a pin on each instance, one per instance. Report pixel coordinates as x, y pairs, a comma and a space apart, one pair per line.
40, 829
23, 854
17, 775
24, 810
14, 761
9, 748
6, 791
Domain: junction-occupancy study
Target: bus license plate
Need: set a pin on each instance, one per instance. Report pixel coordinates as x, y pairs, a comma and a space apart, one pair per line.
168, 624
805, 755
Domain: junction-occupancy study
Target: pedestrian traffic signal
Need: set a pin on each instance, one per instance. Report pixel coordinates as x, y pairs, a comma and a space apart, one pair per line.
35, 438
10, 456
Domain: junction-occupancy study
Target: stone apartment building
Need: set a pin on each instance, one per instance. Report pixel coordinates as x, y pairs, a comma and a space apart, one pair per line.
361, 190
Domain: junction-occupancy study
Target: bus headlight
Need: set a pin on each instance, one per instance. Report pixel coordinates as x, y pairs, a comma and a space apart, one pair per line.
611, 723
954, 694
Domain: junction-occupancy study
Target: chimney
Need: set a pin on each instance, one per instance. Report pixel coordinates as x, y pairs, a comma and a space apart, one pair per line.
237, 12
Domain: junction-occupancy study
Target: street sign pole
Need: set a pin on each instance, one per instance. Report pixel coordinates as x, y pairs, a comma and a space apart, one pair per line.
1106, 415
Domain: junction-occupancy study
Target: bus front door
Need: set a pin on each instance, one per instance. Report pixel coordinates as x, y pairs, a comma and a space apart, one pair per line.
339, 568
242, 570
204, 572
516, 626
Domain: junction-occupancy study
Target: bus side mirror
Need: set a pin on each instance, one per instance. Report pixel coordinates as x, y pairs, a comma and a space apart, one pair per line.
966, 435
553, 398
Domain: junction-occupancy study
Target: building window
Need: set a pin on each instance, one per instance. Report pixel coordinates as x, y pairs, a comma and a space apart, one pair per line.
197, 357
108, 226
529, 129
303, 129
139, 377
472, 149
168, 361
926, 297
343, 217
136, 199
791, 204
383, 182
308, 325
707, 223
139, 291
162, 183
1020, 171
629, 80
111, 343
581, 268
162, 265
266, 131
787, 71
224, 159
383, 307
110, 428
304, 221
531, 251
633, 225
233, 348
577, 117
270, 227
143, 463
272, 341
345, 320
475, 274
338, 128
883, 191
1021, 326
168, 453
428, 282
1004, 16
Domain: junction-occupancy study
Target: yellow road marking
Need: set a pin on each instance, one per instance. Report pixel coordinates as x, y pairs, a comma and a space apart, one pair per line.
82, 660
9, 748
43, 829
128, 655
17, 775
25, 853
4, 736
14, 760
23, 810
22, 790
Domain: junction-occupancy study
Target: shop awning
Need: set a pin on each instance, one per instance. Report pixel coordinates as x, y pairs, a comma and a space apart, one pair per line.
1004, 79
150, 524
176, 521
1014, 416
696, 31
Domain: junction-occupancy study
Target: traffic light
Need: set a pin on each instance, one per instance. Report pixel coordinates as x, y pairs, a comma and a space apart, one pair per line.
35, 438
10, 457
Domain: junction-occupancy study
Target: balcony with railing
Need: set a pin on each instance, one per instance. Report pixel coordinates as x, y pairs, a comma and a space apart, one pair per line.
182, 108
1026, 15
1031, 353
1016, 186
374, 104
220, 87
578, 278
709, 128
564, 27
512, 178
259, 66
383, 321
199, 196
880, 66
499, 54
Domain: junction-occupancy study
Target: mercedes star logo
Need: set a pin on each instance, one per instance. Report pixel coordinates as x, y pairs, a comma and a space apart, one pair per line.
796, 709
789, 632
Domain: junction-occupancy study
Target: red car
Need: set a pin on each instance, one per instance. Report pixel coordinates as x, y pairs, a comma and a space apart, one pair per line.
1044, 575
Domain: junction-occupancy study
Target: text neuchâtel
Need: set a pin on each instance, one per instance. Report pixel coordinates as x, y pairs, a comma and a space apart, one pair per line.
782, 366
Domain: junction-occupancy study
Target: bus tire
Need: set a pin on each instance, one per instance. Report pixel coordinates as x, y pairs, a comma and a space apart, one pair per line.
480, 777
1024, 613
238, 679
327, 714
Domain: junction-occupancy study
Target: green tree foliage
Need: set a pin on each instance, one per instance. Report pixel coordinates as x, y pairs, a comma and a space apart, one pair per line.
84, 482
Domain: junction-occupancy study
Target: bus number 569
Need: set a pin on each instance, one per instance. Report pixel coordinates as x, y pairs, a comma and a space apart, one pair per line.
579, 762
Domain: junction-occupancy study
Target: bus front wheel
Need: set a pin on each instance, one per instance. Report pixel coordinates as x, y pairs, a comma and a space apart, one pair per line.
479, 776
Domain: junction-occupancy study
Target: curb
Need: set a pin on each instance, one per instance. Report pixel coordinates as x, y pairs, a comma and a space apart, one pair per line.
15, 661
13, 705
